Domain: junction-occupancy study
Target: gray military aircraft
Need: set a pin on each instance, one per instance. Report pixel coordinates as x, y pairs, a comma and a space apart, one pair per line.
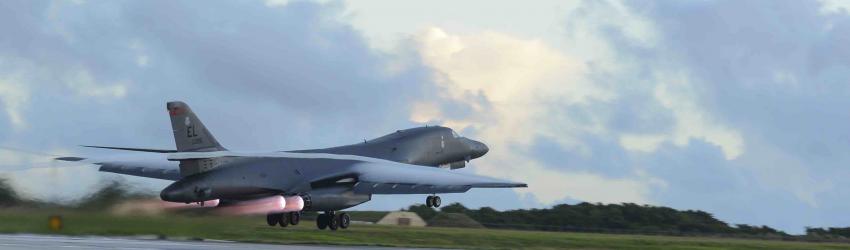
283, 184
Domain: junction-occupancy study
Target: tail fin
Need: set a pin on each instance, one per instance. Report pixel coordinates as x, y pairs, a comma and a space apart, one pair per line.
190, 134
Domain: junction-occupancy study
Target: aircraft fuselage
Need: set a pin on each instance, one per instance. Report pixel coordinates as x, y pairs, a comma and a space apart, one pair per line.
426, 146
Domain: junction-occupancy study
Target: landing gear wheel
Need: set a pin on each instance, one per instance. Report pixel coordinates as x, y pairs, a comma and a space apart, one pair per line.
294, 218
322, 221
283, 221
272, 219
433, 201
344, 220
333, 222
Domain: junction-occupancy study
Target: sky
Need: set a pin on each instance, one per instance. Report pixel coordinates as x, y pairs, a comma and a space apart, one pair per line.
737, 108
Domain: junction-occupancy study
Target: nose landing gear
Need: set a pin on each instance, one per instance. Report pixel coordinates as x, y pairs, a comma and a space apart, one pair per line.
433, 201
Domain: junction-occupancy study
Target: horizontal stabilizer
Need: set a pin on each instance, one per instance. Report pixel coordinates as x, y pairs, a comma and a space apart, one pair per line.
149, 169
69, 158
135, 149
146, 165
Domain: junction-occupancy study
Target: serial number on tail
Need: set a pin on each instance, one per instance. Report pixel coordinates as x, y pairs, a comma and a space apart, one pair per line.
196, 141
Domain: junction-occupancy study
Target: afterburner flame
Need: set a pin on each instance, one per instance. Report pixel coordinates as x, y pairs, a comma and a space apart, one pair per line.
210, 203
274, 204
294, 204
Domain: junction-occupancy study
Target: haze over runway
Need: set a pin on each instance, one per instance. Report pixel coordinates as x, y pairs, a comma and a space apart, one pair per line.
39, 242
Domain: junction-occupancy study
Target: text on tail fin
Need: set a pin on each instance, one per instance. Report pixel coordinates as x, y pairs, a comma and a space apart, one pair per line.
190, 134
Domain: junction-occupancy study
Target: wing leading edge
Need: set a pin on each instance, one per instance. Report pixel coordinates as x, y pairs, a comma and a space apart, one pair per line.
382, 178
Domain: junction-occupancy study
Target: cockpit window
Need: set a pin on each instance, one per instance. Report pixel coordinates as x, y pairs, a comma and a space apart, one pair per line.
455, 134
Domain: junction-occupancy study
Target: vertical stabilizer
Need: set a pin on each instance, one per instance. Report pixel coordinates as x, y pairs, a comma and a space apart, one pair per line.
190, 134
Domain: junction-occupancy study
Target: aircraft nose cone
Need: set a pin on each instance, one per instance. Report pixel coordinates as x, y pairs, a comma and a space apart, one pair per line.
479, 149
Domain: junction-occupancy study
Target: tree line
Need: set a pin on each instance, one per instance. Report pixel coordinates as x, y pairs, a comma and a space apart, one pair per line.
623, 218
107, 194
832, 232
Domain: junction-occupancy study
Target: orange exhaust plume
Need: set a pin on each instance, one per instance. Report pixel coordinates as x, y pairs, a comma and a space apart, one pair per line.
274, 204
294, 204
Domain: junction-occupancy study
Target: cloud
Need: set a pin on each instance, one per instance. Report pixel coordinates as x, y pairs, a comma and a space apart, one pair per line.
287, 77
760, 86
833, 6
83, 84
691, 121
754, 83
14, 96
521, 90
683, 103
510, 84
276, 3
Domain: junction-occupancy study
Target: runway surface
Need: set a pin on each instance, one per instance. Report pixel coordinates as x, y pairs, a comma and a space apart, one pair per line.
38, 242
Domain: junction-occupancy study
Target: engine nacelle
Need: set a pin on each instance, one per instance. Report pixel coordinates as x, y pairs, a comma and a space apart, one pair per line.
187, 190
333, 199
204, 187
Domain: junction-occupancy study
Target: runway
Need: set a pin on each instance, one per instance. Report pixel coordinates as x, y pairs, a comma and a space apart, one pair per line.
39, 242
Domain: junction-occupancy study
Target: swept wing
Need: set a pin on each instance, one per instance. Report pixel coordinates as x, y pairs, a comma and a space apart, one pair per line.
396, 178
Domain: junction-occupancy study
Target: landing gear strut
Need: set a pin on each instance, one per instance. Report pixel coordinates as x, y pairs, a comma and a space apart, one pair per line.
332, 221
433, 201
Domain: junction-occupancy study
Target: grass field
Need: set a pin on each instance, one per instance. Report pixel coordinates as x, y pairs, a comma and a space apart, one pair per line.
254, 229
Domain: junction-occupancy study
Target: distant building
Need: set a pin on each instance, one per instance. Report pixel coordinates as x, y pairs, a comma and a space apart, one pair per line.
410, 219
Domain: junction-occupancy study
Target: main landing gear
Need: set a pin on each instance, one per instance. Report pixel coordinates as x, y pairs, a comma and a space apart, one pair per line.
283, 219
332, 221
433, 201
